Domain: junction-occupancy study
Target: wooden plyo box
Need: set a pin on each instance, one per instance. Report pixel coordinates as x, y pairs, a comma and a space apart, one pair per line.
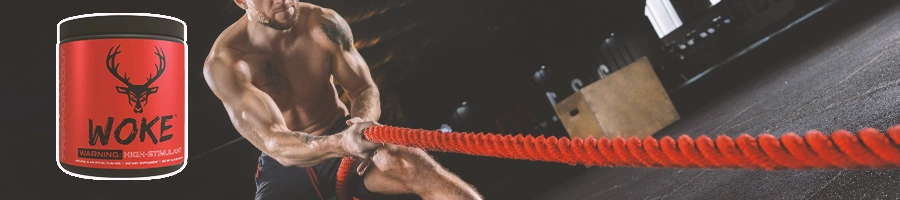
629, 102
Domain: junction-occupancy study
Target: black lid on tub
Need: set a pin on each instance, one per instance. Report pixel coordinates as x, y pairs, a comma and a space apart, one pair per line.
121, 24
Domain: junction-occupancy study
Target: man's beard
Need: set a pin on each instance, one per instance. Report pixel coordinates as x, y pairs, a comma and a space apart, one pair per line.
272, 23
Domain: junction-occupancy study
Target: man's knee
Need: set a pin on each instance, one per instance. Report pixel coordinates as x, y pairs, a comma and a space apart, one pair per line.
394, 170
405, 162
403, 170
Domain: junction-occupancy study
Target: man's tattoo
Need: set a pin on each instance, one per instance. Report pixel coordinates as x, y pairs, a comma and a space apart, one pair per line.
338, 34
274, 80
309, 137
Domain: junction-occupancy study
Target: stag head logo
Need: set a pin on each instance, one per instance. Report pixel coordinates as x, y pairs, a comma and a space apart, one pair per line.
137, 94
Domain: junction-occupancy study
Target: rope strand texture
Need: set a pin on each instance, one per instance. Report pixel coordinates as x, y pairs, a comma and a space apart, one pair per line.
342, 175
868, 149
839, 150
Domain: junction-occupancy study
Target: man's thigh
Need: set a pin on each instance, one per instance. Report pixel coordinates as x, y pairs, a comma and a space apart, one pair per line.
396, 169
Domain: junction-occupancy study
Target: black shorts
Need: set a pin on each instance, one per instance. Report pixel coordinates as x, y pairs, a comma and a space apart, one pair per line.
277, 182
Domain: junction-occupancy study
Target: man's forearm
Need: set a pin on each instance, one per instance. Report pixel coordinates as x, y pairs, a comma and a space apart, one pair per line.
366, 104
303, 149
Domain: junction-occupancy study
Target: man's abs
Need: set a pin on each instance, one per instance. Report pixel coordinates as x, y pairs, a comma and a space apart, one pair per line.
301, 86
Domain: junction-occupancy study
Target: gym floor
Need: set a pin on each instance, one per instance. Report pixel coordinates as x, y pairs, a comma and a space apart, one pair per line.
812, 76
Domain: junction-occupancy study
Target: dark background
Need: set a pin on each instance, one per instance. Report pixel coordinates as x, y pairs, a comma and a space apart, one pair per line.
430, 57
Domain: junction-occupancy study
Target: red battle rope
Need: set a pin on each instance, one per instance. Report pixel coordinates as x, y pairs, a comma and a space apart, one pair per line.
342, 173
814, 150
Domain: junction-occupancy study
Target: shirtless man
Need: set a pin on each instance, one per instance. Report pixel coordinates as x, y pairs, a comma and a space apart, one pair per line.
274, 69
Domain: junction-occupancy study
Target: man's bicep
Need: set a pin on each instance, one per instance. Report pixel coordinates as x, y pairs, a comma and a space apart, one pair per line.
250, 109
352, 72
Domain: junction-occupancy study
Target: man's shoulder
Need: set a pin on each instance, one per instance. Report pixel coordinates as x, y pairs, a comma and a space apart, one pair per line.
329, 24
316, 15
223, 57
312, 9
227, 45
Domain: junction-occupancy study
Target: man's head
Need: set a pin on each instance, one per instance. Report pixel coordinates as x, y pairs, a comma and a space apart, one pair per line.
277, 14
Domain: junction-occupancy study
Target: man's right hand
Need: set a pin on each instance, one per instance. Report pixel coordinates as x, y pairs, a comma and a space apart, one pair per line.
353, 141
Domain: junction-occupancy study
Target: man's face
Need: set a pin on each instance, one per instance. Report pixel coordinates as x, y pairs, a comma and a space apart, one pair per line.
277, 14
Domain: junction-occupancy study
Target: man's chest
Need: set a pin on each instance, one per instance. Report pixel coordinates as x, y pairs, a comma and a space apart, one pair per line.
293, 75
